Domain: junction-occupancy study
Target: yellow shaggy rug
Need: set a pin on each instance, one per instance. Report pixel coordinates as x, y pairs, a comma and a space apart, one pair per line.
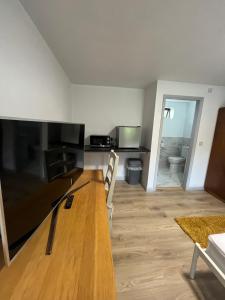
198, 228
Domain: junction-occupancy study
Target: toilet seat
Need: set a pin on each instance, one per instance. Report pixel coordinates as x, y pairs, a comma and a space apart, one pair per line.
176, 159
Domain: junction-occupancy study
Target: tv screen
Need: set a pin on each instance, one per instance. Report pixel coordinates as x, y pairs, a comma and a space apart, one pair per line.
39, 161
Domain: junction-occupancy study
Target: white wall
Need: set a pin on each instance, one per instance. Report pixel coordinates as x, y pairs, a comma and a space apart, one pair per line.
32, 83
102, 109
175, 127
191, 106
148, 116
212, 102
181, 123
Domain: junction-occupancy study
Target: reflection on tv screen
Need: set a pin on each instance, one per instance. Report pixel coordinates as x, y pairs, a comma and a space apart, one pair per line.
38, 163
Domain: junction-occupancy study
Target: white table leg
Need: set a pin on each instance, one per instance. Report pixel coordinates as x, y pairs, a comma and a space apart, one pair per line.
194, 262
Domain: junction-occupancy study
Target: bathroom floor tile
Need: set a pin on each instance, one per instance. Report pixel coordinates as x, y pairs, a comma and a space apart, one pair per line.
167, 179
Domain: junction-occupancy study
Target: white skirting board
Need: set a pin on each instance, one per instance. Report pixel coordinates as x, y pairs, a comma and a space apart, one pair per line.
195, 188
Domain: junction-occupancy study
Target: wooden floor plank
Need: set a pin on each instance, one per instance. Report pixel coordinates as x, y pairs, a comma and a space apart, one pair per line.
152, 255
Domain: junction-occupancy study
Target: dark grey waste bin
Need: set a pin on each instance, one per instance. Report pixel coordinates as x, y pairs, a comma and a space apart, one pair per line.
134, 169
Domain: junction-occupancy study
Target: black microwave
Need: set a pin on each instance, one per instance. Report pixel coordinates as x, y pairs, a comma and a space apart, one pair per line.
100, 141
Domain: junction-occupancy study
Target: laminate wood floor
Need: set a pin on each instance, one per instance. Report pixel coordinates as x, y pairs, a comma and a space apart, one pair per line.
152, 255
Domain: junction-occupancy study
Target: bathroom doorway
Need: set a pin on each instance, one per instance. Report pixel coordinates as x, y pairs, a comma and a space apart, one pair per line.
178, 128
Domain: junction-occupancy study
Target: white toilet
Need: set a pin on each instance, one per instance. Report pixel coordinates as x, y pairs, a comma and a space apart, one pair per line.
177, 162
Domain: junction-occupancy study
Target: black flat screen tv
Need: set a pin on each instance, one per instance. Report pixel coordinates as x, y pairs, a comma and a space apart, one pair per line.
39, 161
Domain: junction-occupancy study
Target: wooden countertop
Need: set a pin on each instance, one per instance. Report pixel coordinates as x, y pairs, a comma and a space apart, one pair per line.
81, 265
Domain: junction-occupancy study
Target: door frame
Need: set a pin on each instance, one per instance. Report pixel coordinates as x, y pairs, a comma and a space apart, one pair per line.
194, 135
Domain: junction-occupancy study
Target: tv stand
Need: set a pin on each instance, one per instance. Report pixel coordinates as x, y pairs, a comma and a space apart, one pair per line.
68, 197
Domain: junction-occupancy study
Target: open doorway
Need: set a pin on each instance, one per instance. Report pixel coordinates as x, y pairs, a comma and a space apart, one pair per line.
178, 131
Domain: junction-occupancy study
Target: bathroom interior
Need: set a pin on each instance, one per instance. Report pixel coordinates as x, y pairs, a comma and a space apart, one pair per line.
175, 143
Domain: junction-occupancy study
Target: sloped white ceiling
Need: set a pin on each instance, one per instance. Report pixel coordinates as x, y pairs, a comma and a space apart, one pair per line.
131, 43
